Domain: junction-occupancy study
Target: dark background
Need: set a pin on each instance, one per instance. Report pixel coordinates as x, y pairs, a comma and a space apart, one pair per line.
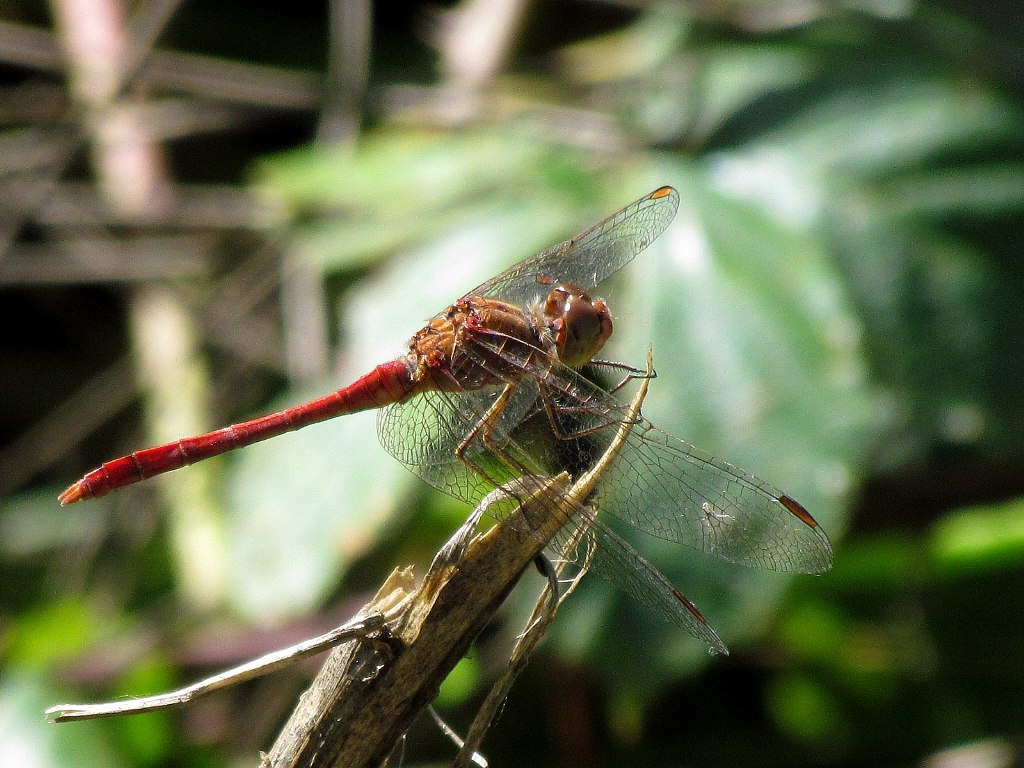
277, 195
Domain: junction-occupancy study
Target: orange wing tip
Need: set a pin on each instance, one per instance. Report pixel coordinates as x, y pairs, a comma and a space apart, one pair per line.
74, 493
798, 509
661, 192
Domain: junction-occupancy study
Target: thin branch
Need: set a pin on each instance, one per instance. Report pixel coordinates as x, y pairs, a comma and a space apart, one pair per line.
476, 40
106, 260
144, 30
205, 76
348, 71
191, 206
256, 85
372, 618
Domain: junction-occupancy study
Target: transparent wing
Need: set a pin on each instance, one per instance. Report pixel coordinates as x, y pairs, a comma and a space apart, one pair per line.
618, 563
425, 433
591, 256
668, 488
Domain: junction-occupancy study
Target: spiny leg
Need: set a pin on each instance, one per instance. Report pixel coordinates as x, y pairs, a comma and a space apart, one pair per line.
608, 419
484, 429
632, 373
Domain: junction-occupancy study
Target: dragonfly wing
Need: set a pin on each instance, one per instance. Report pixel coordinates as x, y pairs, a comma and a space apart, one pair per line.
425, 432
591, 256
670, 489
617, 562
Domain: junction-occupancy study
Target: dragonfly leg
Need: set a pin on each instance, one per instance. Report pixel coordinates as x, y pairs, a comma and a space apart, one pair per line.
547, 569
632, 372
606, 420
484, 430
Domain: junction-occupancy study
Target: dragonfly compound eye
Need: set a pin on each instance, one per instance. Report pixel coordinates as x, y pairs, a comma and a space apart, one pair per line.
580, 325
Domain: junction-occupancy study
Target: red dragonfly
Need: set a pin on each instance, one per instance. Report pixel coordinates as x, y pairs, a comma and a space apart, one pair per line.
491, 390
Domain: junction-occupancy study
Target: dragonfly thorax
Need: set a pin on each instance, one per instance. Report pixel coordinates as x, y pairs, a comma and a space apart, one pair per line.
578, 324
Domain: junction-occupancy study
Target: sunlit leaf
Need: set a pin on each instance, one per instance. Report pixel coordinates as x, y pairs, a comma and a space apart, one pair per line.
28, 741
979, 538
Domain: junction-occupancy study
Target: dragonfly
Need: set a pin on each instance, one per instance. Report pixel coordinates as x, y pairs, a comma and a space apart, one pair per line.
494, 389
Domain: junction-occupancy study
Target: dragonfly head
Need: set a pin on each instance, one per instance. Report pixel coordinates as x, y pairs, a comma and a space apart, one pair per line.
580, 325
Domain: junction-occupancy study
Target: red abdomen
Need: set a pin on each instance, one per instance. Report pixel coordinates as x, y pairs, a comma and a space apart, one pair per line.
385, 384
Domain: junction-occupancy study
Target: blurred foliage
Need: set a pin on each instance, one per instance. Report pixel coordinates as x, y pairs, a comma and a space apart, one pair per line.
835, 308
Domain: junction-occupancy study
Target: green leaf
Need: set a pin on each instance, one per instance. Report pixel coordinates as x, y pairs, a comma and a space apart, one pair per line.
41, 638
979, 538
303, 507
28, 741
460, 684
806, 710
